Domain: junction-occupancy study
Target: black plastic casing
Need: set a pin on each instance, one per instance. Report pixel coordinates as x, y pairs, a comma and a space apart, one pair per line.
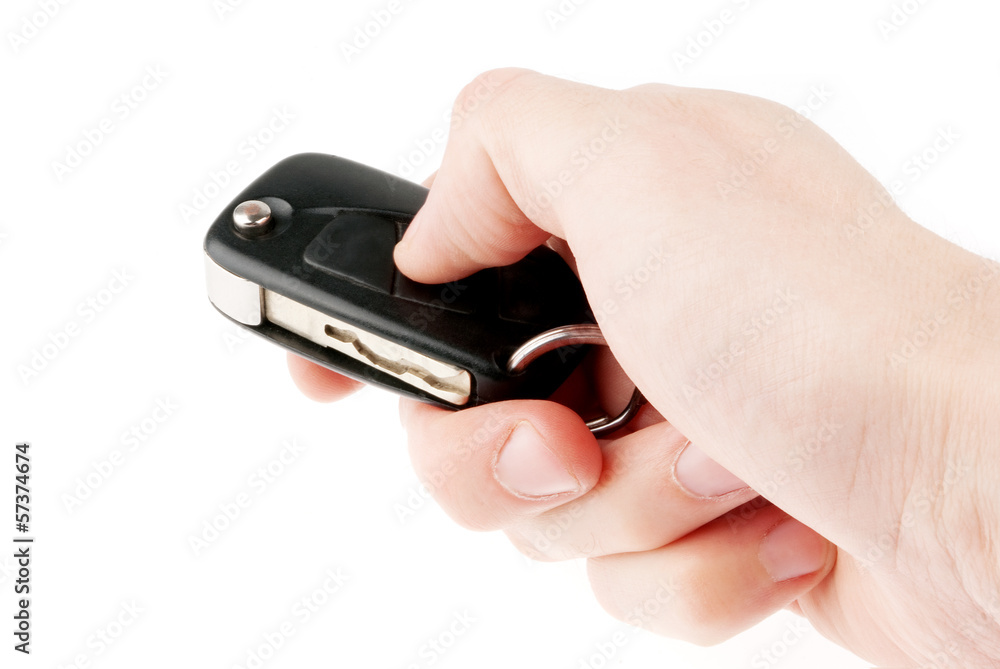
331, 218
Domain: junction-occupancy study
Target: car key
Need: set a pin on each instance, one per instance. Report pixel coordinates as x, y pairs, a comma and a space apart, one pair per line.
303, 257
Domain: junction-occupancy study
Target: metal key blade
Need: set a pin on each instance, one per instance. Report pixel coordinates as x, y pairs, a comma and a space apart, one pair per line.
438, 378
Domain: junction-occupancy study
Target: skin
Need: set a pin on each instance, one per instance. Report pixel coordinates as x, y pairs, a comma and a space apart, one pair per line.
801, 331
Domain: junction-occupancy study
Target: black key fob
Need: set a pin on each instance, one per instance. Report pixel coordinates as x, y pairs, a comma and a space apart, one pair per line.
303, 257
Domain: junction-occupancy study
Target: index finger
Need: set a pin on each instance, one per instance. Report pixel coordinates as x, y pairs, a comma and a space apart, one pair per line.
513, 131
319, 383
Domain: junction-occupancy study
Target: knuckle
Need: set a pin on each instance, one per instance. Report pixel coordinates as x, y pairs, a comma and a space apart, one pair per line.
487, 87
695, 618
642, 533
550, 538
658, 99
532, 545
675, 605
474, 515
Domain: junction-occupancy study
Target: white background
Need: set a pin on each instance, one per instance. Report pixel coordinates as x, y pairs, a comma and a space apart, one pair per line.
63, 235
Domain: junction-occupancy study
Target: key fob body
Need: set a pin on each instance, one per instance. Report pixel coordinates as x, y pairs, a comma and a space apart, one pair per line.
308, 264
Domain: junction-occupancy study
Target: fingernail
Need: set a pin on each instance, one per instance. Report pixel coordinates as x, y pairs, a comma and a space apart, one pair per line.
702, 476
791, 549
527, 468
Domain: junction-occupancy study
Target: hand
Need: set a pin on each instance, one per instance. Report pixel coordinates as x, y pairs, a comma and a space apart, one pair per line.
816, 347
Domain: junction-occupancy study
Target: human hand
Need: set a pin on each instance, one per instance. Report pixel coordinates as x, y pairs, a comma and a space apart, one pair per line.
780, 312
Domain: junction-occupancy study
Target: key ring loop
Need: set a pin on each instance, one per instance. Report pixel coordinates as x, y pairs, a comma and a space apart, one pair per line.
574, 335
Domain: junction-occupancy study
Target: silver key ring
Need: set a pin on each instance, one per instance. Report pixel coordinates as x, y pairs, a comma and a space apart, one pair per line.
574, 335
